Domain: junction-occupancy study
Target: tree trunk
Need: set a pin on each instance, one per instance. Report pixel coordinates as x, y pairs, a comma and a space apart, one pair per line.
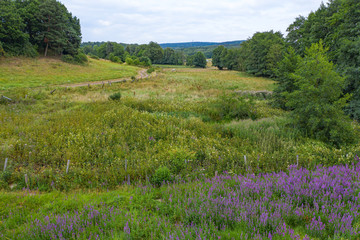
46, 49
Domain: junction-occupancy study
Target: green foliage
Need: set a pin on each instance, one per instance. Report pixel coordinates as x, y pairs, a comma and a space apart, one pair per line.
285, 78
151, 70
115, 96
233, 106
189, 60
262, 53
199, 60
2, 52
79, 58
67, 58
154, 52
11, 29
218, 57
318, 100
336, 23
161, 175
145, 61
173, 57
179, 158
114, 58
31, 26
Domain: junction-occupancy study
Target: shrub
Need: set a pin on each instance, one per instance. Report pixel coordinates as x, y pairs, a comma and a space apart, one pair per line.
178, 158
145, 61
114, 58
129, 61
94, 56
161, 175
79, 58
233, 107
67, 58
150, 70
115, 96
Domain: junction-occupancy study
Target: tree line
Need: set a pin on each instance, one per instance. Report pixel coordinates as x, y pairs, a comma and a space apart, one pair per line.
134, 54
33, 27
316, 66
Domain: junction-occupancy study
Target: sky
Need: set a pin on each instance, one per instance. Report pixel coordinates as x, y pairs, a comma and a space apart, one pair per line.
171, 21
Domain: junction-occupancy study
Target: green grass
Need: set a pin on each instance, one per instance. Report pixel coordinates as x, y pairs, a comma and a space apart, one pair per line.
24, 73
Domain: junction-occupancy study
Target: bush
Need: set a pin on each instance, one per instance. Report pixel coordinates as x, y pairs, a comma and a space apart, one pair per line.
94, 56
145, 61
115, 96
67, 58
129, 61
79, 58
150, 70
114, 58
161, 175
233, 106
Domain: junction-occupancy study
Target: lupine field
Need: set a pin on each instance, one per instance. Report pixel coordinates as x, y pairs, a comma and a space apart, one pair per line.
181, 155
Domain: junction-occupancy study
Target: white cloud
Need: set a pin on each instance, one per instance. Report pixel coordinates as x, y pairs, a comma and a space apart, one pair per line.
141, 21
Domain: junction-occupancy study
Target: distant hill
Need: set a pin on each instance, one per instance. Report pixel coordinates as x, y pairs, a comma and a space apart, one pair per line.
190, 48
200, 44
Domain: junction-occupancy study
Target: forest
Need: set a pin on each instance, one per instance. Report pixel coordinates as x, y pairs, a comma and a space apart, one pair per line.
36, 27
334, 26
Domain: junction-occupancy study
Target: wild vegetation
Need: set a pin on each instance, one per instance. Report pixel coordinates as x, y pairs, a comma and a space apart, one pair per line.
182, 126
176, 152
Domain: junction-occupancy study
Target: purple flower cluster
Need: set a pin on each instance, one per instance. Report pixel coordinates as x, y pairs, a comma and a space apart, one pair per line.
324, 202
297, 204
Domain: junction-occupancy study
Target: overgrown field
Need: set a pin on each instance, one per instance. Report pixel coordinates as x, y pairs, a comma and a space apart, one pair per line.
183, 125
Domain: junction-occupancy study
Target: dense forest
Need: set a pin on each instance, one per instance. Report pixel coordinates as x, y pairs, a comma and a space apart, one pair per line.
331, 33
33, 27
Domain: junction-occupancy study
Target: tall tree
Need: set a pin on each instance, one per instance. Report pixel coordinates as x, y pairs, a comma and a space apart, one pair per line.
199, 60
59, 30
317, 102
260, 52
12, 33
154, 52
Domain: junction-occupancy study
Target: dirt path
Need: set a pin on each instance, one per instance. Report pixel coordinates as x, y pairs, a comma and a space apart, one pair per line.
141, 75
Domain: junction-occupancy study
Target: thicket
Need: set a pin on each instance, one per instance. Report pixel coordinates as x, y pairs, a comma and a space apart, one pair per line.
38, 26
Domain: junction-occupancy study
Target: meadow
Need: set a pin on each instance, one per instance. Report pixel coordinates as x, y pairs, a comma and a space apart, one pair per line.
229, 153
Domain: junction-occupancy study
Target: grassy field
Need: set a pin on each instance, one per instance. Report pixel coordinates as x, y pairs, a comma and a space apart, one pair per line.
25, 73
182, 125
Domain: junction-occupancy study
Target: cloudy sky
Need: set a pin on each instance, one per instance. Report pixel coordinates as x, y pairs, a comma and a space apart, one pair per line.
141, 21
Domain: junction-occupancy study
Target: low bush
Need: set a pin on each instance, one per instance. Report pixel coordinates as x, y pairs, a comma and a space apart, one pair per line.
79, 58
115, 96
161, 175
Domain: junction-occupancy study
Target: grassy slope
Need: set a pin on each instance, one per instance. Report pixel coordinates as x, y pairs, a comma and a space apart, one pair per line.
23, 73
